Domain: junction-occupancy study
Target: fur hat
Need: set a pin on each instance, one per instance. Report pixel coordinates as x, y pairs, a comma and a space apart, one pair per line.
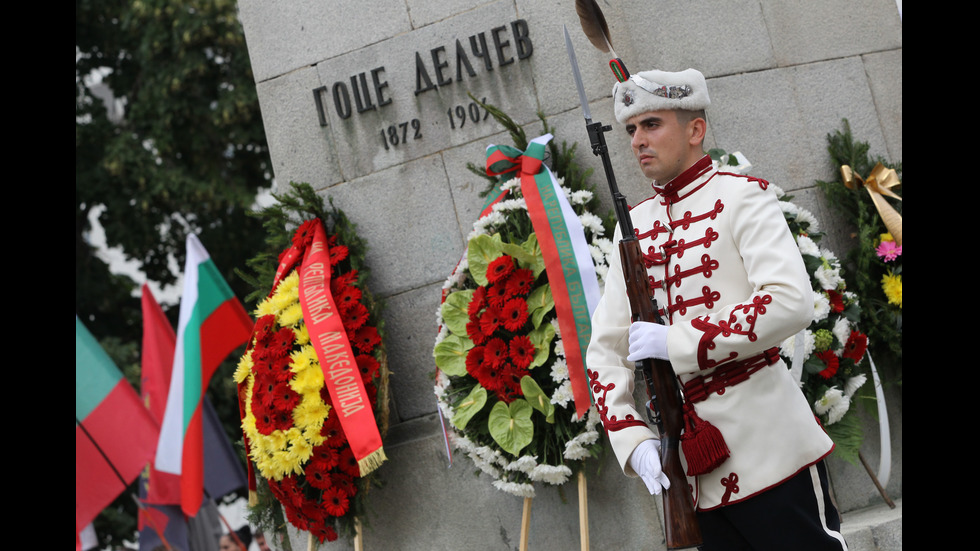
660, 90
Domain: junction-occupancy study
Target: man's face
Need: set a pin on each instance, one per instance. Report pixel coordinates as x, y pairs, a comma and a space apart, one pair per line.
662, 144
260, 541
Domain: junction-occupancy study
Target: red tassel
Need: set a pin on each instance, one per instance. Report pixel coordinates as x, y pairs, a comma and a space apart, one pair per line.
703, 445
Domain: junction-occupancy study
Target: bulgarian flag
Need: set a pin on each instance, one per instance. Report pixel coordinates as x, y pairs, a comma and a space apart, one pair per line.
114, 434
212, 323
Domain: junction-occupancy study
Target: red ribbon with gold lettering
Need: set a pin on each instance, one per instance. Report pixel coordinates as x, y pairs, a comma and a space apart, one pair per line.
340, 373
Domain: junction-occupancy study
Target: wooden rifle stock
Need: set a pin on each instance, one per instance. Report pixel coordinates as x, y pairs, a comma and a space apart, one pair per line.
681, 529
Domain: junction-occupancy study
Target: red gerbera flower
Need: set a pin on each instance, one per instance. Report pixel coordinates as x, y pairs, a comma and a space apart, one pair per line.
323, 532
348, 463
325, 456
344, 483
337, 254
366, 338
264, 326
318, 475
519, 283
474, 359
332, 431
475, 332
490, 320
857, 344
499, 269
346, 297
284, 398
831, 361
335, 502
338, 283
496, 295
477, 302
282, 341
495, 352
368, 366
514, 314
521, 351
355, 317
304, 233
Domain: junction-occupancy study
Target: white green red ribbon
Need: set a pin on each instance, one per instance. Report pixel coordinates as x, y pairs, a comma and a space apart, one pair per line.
568, 262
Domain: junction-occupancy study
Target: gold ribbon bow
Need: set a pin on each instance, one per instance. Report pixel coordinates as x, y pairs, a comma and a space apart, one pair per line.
879, 183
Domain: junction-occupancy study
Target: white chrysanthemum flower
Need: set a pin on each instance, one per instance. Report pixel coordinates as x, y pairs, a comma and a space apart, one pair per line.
807, 246
559, 370
514, 488
854, 383
592, 223
559, 346
580, 197
552, 474
574, 450
510, 204
841, 330
838, 410
821, 306
513, 183
776, 189
524, 464
788, 346
563, 394
830, 398
807, 217
788, 208
828, 276
829, 257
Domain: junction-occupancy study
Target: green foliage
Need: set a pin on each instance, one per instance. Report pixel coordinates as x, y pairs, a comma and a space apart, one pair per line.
180, 149
864, 270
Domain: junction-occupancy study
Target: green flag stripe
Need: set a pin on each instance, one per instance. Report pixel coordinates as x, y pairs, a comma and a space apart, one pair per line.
95, 373
212, 291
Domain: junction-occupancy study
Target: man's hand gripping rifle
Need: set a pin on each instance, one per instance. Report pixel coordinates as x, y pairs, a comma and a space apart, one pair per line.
680, 519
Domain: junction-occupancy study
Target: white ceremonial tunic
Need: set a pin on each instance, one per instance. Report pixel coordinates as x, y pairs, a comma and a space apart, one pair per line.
731, 284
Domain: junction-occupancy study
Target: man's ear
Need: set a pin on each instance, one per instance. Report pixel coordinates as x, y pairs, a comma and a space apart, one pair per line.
697, 129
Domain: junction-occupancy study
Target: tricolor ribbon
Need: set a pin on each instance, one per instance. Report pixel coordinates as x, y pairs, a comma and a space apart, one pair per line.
568, 262
879, 183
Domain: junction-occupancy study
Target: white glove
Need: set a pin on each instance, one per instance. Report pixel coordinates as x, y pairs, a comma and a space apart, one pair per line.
647, 340
645, 460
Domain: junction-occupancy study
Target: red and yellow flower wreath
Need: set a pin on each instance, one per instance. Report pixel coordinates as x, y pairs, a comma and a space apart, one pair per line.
292, 430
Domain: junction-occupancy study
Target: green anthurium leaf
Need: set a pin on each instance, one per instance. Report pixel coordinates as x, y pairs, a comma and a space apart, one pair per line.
511, 426
454, 311
482, 250
539, 303
523, 257
450, 355
537, 398
533, 248
470, 406
541, 338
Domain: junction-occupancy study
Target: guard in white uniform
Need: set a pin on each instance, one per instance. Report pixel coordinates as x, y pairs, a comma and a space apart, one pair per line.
731, 285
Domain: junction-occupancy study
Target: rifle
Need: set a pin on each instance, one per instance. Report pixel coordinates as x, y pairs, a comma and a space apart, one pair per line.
680, 519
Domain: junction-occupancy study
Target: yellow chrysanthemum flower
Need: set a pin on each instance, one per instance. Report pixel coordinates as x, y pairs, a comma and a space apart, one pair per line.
291, 315
887, 236
891, 284
243, 369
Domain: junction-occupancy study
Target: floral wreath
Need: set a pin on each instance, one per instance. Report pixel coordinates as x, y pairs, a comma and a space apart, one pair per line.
502, 379
832, 347
292, 432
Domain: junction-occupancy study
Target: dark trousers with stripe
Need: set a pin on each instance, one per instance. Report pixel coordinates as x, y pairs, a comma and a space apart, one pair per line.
797, 515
